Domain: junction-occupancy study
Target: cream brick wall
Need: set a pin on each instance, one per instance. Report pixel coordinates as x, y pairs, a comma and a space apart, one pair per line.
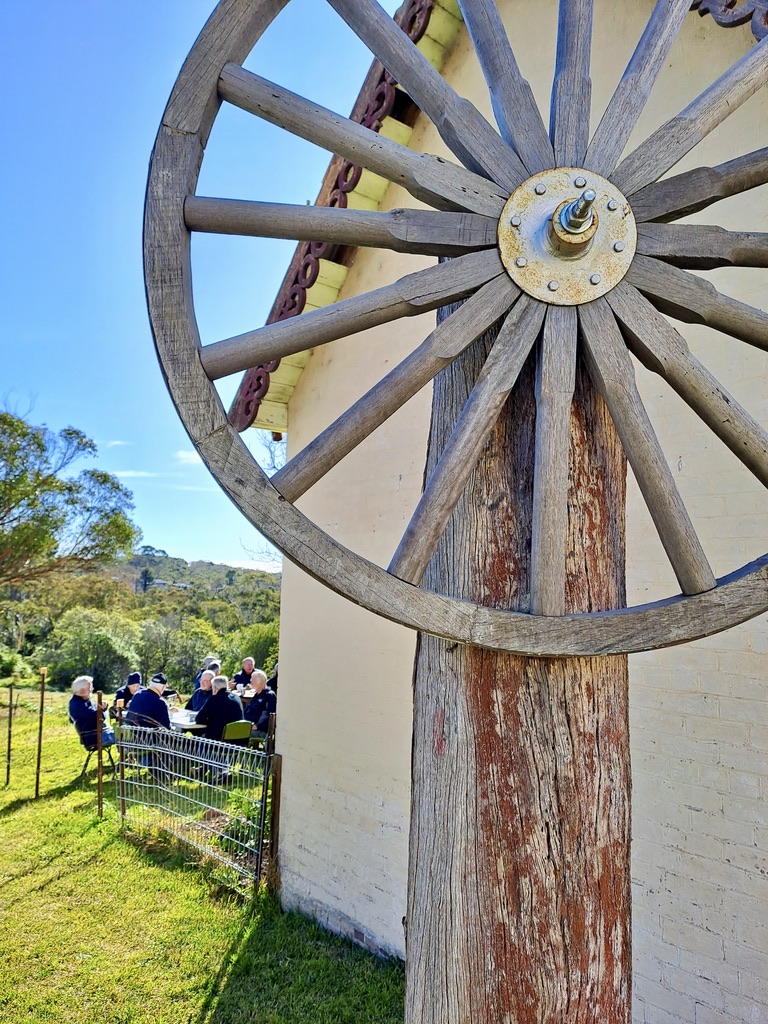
699, 712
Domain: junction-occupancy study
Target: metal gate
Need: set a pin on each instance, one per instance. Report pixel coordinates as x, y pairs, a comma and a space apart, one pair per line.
217, 797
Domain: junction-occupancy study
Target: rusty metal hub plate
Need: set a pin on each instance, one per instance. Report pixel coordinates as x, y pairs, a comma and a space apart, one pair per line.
551, 268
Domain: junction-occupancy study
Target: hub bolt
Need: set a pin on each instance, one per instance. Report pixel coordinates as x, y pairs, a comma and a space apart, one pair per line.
540, 189
595, 279
521, 261
553, 286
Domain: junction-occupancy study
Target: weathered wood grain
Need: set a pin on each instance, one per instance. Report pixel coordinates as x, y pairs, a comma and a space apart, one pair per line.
555, 380
460, 124
670, 143
448, 340
460, 455
631, 95
614, 376
572, 87
664, 351
514, 106
702, 246
423, 232
694, 300
411, 295
229, 35
697, 189
434, 181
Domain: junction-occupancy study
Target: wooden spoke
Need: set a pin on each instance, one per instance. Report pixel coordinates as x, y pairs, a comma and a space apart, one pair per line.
702, 247
632, 92
467, 441
614, 377
411, 295
697, 189
433, 181
572, 87
512, 98
695, 301
678, 136
445, 343
460, 124
555, 381
423, 232
664, 351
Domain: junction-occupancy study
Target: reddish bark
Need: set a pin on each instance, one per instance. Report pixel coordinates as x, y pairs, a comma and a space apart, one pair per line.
519, 888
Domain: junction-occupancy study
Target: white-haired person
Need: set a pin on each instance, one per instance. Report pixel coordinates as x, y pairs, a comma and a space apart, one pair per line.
262, 704
200, 696
84, 714
147, 708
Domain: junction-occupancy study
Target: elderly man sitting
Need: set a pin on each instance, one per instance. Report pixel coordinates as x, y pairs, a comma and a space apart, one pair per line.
200, 696
84, 714
220, 709
147, 708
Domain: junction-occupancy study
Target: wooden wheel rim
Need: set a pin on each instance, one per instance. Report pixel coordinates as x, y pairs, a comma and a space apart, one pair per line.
230, 34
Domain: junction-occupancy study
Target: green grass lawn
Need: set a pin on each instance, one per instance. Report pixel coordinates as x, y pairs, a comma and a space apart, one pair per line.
100, 928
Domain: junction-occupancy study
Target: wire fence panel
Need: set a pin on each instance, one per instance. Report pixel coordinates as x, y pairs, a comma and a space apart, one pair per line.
214, 796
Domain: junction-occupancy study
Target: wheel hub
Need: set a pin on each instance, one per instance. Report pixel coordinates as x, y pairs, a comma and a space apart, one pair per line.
567, 236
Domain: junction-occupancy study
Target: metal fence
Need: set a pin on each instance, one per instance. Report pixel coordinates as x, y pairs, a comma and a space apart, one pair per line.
214, 796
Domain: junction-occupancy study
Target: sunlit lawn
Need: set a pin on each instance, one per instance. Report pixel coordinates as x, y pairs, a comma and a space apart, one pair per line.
99, 929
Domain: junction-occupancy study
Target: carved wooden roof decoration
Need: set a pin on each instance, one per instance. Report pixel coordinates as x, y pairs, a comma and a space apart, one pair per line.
730, 13
318, 269
382, 108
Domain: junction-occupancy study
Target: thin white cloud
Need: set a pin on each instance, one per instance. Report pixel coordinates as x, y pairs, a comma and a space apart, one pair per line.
117, 444
188, 457
134, 474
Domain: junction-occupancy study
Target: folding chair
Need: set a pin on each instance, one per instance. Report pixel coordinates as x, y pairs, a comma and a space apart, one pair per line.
237, 733
92, 750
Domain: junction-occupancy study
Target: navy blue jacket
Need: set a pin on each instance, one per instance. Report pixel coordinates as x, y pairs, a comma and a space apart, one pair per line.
219, 710
83, 714
261, 707
148, 709
198, 700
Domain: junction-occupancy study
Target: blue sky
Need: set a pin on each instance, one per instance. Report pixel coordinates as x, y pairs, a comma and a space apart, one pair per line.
86, 84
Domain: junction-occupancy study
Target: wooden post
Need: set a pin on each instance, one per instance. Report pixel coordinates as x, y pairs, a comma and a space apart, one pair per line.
43, 673
519, 880
99, 758
10, 736
273, 875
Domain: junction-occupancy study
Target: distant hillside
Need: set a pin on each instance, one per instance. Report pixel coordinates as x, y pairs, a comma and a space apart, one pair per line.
153, 568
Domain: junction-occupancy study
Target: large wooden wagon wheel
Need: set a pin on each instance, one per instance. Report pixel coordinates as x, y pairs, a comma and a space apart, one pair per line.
551, 234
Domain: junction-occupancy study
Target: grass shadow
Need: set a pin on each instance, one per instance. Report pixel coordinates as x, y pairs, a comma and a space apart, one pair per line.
285, 969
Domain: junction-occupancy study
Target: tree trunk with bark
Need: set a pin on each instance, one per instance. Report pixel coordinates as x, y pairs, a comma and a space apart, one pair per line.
519, 879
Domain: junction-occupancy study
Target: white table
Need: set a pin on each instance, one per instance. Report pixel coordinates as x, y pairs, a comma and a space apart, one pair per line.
184, 721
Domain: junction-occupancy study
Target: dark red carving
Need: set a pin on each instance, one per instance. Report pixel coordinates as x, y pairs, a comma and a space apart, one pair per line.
413, 18
730, 13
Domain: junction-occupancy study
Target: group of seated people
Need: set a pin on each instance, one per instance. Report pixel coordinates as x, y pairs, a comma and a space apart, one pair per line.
215, 699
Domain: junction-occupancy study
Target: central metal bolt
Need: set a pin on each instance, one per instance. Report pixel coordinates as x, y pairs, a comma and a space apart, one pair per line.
578, 215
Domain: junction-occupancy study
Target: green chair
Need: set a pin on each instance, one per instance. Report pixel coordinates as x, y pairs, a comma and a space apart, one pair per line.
238, 733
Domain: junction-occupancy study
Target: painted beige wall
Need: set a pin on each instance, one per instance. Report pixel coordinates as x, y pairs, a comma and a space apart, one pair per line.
699, 713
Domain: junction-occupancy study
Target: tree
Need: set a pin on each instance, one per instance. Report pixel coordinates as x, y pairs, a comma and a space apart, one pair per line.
51, 521
101, 644
144, 580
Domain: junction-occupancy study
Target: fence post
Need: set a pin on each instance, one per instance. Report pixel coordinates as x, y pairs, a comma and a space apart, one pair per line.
10, 734
273, 879
43, 673
99, 750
